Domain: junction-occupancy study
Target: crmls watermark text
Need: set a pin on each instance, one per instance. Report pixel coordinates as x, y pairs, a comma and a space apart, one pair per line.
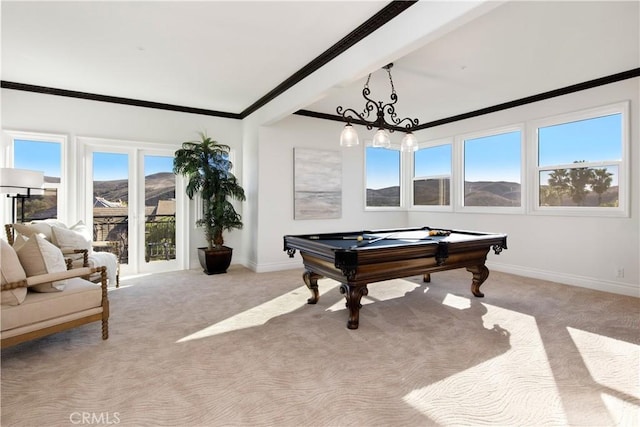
88, 418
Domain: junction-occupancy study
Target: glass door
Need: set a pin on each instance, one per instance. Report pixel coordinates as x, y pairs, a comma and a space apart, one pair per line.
133, 207
160, 213
110, 204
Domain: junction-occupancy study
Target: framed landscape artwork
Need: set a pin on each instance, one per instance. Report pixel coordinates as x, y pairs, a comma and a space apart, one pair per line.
317, 183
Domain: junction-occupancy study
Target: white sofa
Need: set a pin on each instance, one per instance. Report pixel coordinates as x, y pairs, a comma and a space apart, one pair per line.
56, 299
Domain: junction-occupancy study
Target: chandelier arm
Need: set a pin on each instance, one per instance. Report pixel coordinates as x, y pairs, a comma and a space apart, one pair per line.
349, 114
410, 125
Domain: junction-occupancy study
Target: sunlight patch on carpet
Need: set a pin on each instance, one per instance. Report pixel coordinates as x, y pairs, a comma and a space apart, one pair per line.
454, 301
612, 363
622, 413
260, 314
486, 390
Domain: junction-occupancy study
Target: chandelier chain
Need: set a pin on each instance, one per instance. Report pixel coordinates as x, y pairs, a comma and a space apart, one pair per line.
393, 88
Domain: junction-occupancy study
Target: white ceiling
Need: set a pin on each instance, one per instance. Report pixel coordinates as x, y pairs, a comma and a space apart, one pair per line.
226, 55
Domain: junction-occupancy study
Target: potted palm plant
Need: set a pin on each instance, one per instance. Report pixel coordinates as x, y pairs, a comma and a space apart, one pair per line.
206, 165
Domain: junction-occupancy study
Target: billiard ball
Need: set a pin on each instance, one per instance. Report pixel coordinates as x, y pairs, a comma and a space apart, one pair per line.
359, 239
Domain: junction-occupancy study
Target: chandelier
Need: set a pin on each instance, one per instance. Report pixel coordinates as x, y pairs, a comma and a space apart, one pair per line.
349, 136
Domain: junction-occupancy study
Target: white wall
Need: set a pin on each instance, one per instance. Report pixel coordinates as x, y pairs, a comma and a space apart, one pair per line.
581, 251
33, 112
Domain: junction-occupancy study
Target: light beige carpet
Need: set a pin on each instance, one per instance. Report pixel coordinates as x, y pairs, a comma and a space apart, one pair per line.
244, 349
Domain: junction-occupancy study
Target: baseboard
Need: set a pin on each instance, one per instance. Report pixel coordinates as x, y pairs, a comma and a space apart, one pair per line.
568, 279
274, 266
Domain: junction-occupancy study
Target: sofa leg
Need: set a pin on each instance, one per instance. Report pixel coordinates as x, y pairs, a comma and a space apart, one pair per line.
105, 329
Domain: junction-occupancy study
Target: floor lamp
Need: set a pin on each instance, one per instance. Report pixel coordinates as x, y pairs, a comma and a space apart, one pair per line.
19, 184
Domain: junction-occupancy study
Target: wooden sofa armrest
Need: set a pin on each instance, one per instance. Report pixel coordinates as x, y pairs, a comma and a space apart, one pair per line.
52, 277
69, 274
14, 285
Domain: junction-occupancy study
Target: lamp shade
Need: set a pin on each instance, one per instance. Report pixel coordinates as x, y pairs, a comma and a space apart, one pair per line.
349, 136
381, 139
20, 180
409, 142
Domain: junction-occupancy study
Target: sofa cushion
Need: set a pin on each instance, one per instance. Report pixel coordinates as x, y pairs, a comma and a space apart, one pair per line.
78, 295
11, 271
38, 256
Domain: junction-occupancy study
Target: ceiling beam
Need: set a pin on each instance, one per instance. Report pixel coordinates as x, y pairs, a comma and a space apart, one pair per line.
386, 14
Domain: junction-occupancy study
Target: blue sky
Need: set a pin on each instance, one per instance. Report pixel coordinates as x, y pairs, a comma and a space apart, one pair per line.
39, 156
44, 156
590, 140
383, 168
111, 166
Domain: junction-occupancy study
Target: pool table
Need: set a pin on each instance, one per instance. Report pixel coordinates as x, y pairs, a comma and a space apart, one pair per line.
358, 258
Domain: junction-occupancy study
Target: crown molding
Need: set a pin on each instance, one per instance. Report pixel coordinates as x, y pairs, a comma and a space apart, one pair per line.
114, 99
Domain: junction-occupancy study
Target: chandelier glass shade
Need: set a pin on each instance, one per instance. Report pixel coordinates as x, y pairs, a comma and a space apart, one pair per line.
349, 136
381, 139
409, 142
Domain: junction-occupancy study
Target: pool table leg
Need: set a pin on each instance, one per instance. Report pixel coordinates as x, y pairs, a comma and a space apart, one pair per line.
311, 280
480, 274
353, 295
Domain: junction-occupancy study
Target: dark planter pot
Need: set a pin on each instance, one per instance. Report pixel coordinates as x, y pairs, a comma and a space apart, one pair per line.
215, 261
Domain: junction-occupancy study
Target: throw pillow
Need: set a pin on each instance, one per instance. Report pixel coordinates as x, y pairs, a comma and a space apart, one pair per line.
19, 241
29, 230
11, 271
38, 256
84, 230
69, 239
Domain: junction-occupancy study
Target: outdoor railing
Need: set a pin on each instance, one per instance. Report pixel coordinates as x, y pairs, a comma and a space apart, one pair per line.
160, 243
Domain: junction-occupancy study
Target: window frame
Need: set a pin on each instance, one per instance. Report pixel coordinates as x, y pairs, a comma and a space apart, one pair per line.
452, 179
623, 208
63, 201
459, 164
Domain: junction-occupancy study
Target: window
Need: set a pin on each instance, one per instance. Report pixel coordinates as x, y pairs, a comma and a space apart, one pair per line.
432, 176
492, 169
41, 153
579, 160
382, 177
